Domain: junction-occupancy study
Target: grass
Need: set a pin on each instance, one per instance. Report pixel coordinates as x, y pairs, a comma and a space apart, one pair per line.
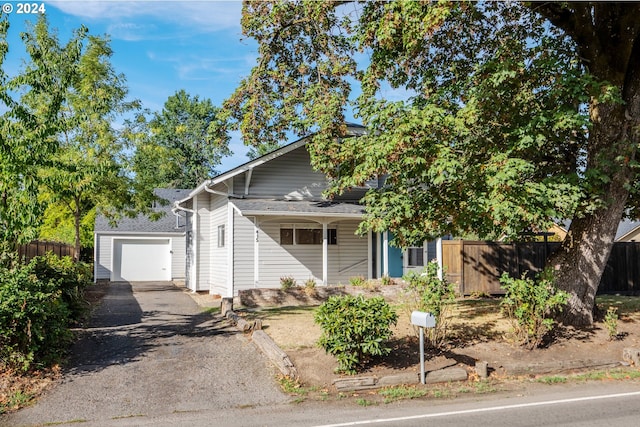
618, 374
393, 394
293, 387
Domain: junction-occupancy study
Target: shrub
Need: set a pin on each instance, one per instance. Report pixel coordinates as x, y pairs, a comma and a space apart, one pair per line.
611, 322
354, 329
387, 281
426, 292
530, 305
357, 281
287, 282
38, 302
310, 286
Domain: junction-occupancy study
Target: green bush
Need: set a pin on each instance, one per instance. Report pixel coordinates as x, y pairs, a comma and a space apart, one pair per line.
354, 329
38, 302
529, 305
287, 282
426, 292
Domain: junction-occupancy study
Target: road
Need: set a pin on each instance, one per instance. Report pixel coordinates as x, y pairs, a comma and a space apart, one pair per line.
593, 404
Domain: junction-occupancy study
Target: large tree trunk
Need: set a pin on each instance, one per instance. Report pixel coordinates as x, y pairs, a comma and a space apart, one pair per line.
607, 39
579, 264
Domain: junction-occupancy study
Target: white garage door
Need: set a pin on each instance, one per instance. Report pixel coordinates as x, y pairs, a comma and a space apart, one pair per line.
141, 259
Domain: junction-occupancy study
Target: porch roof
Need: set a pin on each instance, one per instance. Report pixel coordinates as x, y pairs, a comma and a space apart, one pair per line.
298, 208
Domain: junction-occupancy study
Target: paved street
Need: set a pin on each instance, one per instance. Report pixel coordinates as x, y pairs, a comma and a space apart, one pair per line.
151, 351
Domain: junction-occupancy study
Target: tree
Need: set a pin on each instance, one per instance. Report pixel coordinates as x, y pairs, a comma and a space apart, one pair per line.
88, 169
184, 145
514, 115
27, 137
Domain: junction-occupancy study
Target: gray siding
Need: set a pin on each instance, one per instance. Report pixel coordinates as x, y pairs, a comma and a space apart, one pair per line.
219, 212
103, 257
289, 176
203, 240
243, 247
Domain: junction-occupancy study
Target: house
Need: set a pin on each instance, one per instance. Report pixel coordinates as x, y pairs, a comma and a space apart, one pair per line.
139, 249
267, 219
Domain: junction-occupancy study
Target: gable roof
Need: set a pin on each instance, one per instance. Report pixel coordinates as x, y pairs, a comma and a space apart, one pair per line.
352, 128
142, 224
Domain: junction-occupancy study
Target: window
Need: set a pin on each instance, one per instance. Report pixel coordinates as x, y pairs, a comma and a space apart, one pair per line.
221, 236
415, 257
308, 236
304, 235
286, 236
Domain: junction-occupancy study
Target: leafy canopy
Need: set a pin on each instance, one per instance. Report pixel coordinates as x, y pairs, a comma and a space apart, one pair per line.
181, 145
489, 137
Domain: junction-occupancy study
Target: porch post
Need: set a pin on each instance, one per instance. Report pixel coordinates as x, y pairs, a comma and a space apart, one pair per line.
256, 254
378, 255
325, 253
369, 257
229, 237
439, 257
385, 254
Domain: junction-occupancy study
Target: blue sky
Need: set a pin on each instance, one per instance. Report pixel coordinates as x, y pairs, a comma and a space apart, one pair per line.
160, 46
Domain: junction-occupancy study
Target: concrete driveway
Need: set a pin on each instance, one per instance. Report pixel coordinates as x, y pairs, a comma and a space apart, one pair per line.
151, 350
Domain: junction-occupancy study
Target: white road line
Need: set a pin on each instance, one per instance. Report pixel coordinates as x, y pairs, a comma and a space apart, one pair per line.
489, 409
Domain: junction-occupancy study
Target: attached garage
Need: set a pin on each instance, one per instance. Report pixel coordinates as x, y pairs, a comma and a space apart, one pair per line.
139, 249
141, 260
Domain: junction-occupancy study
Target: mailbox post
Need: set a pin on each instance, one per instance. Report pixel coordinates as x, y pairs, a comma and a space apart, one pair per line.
422, 320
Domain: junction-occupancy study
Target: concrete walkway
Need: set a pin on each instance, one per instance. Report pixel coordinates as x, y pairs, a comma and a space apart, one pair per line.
151, 350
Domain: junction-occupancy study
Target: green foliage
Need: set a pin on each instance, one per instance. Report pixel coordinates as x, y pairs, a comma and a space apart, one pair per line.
38, 303
30, 102
387, 281
287, 282
611, 322
357, 281
426, 292
354, 329
530, 306
403, 392
180, 146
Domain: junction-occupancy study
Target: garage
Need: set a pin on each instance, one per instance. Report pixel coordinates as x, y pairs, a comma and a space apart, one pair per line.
140, 249
141, 260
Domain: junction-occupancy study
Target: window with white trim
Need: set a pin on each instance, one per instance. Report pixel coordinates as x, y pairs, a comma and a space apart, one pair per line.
415, 257
221, 236
303, 234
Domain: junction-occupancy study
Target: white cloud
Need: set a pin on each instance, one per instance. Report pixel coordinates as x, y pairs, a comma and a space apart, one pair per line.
197, 16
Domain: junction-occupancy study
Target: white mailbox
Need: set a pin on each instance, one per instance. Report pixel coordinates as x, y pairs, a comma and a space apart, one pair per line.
422, 319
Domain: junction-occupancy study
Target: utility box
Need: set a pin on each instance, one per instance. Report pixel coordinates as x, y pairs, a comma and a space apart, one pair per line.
422, 319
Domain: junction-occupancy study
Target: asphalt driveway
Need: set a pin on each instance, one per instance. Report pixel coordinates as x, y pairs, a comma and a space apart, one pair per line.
151, 350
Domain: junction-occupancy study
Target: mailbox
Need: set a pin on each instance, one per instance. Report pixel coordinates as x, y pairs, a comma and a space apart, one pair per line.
422, 319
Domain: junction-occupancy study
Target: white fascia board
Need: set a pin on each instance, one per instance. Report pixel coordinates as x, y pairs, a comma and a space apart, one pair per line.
244, 168
300, 214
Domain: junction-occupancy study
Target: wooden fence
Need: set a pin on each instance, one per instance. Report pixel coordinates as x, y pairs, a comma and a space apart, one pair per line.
38, 247
477, 266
